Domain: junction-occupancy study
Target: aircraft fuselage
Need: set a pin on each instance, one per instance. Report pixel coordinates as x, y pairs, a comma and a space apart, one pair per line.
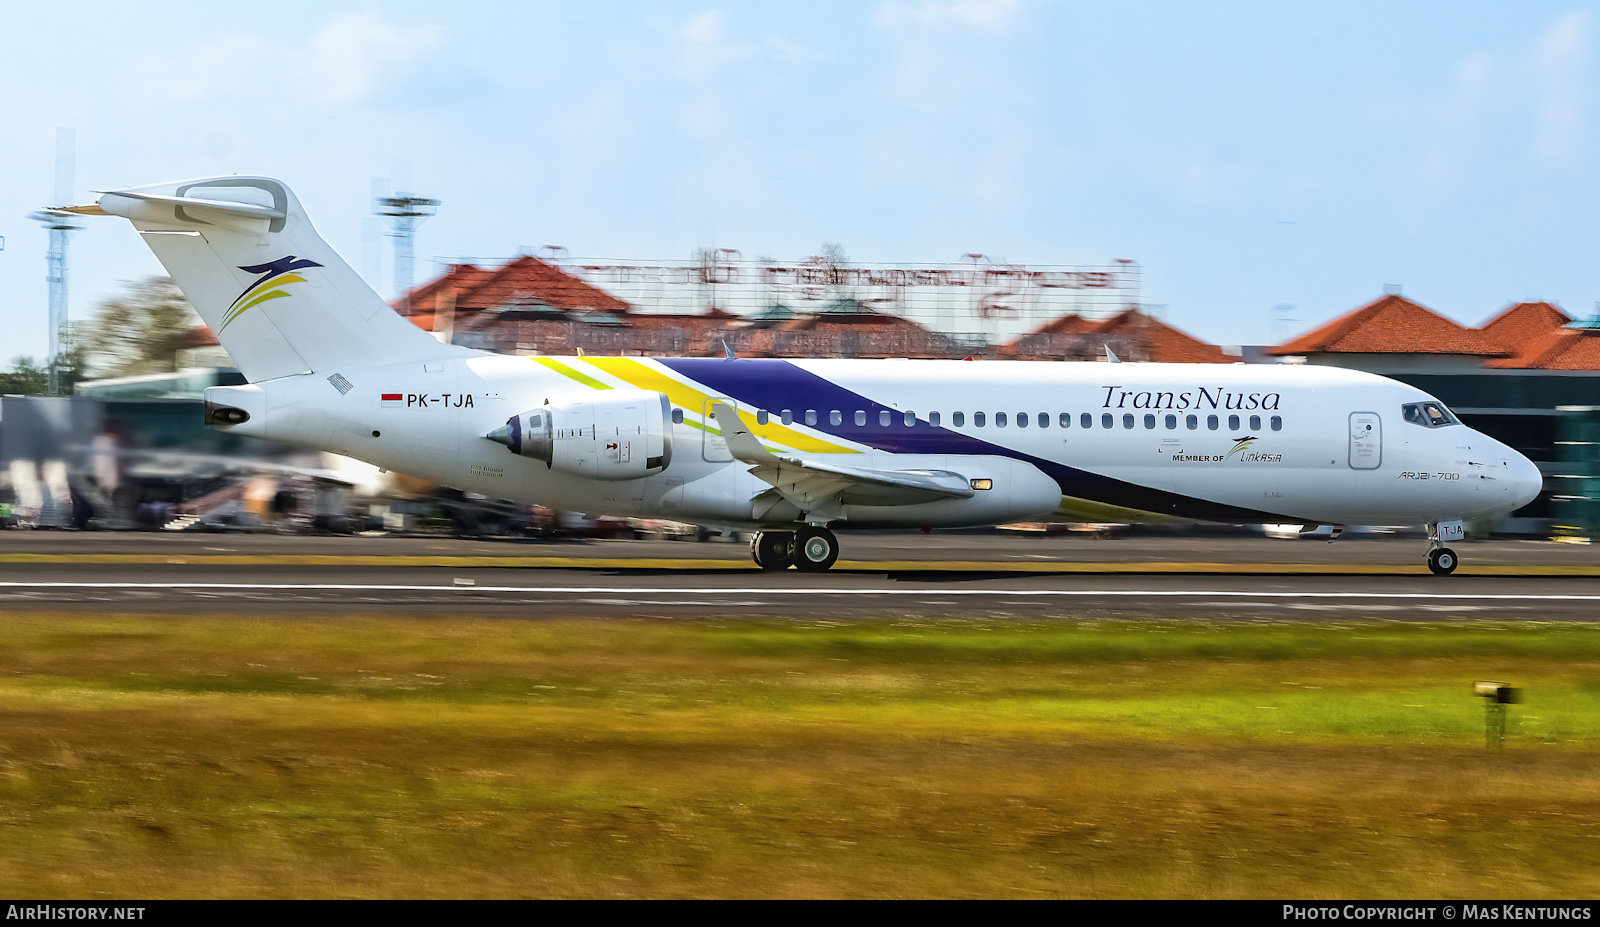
792, 447
1101, 442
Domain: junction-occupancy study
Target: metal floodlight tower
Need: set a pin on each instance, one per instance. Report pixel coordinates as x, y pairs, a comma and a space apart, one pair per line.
404, 211
59, 225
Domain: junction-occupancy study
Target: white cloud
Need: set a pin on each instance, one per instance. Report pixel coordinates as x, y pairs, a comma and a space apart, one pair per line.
355, 56
989, 15
1560, 73
349, 61
706, 47
1450, 134
944, 53
1528, 103
703, 45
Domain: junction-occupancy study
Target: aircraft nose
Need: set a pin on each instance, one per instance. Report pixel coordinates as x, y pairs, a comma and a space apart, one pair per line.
1526, 480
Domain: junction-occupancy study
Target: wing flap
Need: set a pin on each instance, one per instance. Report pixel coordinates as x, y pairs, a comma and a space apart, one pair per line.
821, 489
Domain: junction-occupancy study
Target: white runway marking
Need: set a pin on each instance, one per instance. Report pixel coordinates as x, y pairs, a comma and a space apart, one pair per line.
756, 591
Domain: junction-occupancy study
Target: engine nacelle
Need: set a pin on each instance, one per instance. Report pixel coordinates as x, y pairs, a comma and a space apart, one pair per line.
620, 434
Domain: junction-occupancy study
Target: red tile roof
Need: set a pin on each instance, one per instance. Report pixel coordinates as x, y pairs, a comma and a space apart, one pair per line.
532, 283
1069, 337
523, 280
1159, 342
1393, 325
840, 334
529, 279
1523, 327
711, 318
1560, 349
1141, 337
431, 296
1069, 324
856, 321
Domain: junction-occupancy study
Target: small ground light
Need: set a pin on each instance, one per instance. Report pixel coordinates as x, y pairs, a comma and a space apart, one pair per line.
1496, 696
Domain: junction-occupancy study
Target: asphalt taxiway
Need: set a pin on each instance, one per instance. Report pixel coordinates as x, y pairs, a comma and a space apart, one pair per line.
942, 575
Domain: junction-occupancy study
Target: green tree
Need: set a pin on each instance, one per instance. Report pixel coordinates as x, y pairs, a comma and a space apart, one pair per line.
30, 378
139, 332
74, 363
25, 378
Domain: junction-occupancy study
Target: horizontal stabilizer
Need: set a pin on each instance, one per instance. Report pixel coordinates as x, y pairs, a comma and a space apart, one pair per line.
275, 295
247, 210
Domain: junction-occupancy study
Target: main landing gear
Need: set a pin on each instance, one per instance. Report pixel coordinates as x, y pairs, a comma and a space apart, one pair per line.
773, 550
811, 549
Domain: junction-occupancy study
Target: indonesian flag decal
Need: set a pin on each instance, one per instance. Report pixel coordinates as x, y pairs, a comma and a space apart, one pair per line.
393, 400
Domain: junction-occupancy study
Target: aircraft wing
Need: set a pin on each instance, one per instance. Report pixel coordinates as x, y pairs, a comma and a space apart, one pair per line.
822, 489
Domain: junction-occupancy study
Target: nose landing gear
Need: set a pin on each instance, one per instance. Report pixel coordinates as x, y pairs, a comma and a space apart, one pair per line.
1441, 559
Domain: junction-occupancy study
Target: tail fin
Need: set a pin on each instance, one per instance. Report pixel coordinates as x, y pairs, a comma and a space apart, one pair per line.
276, 296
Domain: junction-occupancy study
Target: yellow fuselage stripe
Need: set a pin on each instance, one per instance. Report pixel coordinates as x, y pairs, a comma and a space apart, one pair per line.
568, 372
643, 376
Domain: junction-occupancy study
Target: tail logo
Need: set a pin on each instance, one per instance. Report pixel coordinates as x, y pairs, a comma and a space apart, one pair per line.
272, 278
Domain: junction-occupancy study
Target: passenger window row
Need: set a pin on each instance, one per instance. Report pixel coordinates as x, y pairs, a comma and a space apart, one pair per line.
887, 419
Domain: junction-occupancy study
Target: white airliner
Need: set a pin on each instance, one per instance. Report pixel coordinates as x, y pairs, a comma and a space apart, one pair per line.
794, 449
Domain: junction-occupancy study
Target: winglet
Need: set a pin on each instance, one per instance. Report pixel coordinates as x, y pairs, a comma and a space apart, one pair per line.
741, 443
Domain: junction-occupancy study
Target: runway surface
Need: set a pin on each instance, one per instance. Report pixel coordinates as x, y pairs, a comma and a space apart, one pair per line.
888, 575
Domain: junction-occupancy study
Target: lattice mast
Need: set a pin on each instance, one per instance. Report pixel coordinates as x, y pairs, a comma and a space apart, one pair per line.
59, 225
404, 211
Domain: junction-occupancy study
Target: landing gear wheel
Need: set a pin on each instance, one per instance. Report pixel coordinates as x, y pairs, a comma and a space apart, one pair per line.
815, 549
1442, 561
773, 550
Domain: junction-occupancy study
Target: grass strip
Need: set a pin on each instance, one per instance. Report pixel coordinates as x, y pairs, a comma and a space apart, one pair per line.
154, 756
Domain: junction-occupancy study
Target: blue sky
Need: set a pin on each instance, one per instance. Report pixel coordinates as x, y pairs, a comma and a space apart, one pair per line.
1247, 155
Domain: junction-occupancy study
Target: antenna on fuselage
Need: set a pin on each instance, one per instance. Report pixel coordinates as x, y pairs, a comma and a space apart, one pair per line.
1110, 357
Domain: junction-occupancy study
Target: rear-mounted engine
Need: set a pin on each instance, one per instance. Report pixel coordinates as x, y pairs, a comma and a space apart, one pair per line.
610, 435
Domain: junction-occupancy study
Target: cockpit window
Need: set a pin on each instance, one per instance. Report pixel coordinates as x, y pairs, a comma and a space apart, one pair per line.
1428, 414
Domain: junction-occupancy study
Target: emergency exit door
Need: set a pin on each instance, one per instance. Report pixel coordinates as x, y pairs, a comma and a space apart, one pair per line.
714, 447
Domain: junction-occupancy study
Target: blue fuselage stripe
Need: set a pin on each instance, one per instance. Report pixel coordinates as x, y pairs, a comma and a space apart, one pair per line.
775, 385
